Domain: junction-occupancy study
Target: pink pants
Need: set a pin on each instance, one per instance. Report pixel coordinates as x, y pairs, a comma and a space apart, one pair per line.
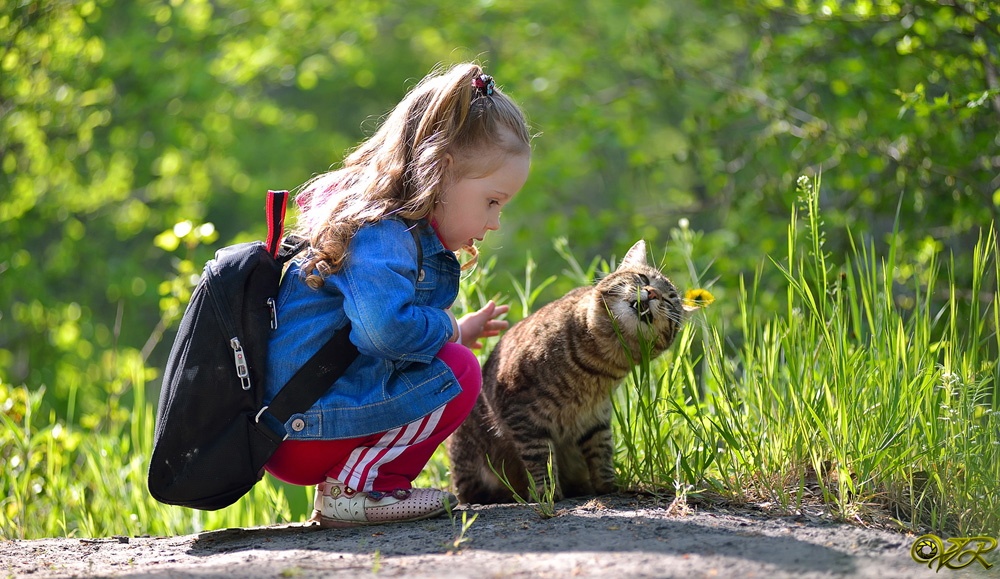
389, 460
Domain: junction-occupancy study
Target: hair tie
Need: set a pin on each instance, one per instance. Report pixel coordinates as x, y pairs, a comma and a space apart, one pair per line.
484, 83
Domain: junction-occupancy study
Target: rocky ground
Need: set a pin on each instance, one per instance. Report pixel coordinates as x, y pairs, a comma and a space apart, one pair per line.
621, 536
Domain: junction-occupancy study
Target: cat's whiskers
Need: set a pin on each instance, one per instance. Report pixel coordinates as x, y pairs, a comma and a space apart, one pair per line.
674, 316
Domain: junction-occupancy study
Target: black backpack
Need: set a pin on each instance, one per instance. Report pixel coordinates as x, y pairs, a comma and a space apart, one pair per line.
213, 433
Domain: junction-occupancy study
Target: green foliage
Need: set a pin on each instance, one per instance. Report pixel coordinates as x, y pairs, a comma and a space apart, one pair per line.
119, 120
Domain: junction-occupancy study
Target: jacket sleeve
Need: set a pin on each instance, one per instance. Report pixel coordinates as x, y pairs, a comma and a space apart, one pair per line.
378, 281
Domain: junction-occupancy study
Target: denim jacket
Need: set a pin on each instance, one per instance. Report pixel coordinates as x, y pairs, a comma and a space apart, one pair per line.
398, 323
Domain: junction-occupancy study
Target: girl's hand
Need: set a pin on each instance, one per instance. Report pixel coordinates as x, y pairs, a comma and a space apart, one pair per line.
483, 324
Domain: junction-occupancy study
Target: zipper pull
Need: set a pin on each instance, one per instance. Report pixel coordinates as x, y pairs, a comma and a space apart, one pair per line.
242, 370
274, 313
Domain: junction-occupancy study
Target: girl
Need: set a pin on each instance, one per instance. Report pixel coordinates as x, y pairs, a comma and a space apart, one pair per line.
450, 155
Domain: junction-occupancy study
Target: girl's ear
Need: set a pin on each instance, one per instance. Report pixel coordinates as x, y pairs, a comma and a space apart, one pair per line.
447, 167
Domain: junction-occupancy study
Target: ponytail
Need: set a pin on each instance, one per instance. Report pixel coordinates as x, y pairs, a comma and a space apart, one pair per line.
401, 169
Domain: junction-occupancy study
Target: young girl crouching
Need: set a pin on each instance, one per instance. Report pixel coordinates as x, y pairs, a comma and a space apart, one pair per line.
447, 159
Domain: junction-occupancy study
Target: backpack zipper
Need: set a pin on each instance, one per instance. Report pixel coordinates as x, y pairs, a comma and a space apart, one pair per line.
242, 370
274, 313
239, 356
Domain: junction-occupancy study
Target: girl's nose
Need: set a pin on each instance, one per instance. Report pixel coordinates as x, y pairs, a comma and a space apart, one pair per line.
493, 223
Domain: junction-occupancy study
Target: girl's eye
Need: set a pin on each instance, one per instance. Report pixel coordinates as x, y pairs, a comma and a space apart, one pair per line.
494, 203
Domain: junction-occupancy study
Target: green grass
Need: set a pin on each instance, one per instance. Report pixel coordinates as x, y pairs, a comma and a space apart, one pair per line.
872, 399
541, 494
846, 398
90, 481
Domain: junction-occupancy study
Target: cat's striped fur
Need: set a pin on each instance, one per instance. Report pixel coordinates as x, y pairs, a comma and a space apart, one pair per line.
547, 387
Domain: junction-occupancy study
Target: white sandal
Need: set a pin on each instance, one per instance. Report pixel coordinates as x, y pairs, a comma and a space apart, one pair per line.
337, 505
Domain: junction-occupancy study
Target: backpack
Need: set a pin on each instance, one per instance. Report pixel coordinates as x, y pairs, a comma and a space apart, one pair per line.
213, 433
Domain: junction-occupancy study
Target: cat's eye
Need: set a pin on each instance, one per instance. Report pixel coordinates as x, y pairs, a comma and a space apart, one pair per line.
643, 279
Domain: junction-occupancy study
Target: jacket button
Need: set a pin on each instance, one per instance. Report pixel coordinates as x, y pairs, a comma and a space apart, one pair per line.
420, 276
298, 424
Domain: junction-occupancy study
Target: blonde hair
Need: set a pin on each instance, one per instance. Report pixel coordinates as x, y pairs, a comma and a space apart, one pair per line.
401, 170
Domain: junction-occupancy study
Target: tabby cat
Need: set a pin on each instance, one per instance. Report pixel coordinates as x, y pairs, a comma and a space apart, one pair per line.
547, 387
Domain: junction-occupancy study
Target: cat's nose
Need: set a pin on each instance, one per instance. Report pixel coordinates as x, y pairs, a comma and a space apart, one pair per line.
651, 293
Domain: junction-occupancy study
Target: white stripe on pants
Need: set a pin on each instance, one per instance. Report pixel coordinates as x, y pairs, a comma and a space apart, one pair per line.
362, 467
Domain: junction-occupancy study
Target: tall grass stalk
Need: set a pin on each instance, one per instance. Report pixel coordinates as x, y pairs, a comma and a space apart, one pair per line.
847, 399
541, 494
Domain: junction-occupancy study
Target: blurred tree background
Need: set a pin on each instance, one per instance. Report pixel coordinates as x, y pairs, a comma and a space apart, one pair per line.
138, 136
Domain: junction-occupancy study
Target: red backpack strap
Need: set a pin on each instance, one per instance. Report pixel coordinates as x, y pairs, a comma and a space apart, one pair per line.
276, 201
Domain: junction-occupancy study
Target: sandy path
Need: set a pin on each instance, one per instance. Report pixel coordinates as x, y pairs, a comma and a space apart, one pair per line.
622, 537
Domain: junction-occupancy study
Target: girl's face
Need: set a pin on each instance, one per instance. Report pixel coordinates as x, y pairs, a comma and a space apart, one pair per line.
471, 206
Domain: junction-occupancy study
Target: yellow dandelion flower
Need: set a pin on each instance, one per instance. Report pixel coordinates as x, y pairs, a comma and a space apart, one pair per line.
698, 298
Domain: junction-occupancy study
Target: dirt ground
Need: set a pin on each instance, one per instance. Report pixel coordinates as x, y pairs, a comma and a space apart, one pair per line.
620, 536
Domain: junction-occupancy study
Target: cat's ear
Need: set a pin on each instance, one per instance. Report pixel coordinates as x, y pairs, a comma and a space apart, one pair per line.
636, 255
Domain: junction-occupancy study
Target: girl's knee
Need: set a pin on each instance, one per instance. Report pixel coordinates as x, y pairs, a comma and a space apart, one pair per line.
470, 393
465, 366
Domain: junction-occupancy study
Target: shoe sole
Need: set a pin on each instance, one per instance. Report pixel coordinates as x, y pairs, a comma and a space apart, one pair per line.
328, 523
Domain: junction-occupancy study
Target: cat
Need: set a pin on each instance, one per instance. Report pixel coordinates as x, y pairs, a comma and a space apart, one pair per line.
547, 387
